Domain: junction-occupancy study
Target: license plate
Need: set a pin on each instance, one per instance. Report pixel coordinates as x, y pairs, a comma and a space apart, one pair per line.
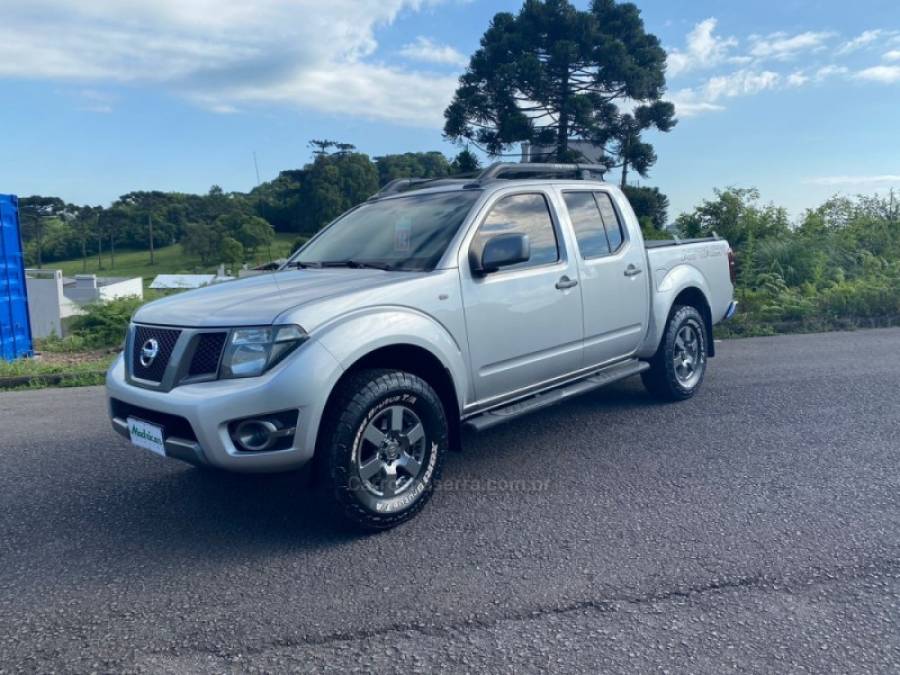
147, 436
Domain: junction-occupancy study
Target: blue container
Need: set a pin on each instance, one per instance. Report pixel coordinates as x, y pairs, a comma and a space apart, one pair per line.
15, 327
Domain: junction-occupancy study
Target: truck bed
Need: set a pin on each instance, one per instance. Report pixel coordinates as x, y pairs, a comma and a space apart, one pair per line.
703, 260
663, 243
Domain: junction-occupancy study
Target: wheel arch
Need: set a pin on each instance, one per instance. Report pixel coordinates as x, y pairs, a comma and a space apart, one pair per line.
413, 359
694, 297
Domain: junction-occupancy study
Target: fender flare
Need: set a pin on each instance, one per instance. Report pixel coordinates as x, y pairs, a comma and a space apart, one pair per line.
670, 285
389, 326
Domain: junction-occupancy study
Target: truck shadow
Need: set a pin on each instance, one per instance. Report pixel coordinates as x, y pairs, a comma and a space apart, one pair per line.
177, 512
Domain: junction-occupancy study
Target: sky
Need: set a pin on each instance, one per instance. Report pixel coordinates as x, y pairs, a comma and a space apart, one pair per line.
798, 98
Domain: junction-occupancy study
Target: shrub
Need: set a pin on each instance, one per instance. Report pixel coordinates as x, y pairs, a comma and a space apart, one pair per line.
104, 323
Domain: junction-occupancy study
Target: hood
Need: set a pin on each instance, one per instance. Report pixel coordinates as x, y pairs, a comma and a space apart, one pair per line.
258, 300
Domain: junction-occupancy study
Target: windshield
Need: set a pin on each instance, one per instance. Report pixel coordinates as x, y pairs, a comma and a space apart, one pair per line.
406, 233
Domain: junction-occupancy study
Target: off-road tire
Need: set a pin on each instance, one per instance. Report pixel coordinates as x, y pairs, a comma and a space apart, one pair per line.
662, 380
358, 401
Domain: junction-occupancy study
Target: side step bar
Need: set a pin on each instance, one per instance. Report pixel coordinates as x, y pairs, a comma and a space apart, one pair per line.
546, 399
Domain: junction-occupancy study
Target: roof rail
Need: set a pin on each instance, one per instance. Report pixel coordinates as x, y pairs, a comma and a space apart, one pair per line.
395, 186
399, 185
513, 170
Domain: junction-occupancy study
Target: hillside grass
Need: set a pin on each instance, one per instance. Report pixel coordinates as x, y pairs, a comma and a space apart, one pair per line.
168, 260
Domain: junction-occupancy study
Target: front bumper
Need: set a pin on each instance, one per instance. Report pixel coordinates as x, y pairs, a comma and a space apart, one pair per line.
198, 414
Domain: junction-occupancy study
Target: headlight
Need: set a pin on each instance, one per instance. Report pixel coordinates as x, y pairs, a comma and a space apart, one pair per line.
252, 351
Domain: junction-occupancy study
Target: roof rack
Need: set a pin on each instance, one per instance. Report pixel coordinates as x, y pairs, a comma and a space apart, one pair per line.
497, 171
500, 170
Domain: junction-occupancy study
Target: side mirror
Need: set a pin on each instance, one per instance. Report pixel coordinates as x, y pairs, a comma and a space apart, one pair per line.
502, 251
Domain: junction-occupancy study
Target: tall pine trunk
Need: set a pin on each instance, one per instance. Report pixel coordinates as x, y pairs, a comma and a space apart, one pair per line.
625, 163
562, 138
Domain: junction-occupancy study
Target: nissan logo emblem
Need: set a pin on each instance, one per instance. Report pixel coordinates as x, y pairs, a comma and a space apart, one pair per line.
149, 352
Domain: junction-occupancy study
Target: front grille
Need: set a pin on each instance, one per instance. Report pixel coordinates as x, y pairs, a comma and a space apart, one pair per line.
207, 354
173, 425
165, 338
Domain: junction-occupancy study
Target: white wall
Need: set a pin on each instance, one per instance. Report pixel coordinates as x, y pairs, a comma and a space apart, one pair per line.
47, 306
49, 303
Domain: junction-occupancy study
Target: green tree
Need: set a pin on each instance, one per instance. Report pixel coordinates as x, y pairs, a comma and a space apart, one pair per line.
331, 185
84, 228
203, 241
411, 165
552, 73
631, 150
255, 233
231, 251
649, 203
35, 214
735, 214
465, 162
278, 201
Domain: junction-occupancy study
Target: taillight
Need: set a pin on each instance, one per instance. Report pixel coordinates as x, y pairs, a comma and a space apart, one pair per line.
731, 269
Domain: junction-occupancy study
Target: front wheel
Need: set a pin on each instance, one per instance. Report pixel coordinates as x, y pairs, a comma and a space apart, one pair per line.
382, 447
677, 368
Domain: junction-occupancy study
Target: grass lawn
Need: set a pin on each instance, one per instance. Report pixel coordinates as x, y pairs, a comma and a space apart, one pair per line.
77, 370
169, 260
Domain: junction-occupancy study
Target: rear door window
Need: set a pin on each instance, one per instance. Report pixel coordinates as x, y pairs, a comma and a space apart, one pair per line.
590, 232
611, 221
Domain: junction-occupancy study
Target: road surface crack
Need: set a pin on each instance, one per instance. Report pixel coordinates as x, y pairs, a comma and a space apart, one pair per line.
753, 582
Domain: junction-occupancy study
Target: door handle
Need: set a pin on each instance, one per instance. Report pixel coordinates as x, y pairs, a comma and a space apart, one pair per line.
632, 270
565, 282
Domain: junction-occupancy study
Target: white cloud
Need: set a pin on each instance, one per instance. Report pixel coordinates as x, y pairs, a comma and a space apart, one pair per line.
783, 46
740, 83
225, 53
703, 50
707, 97
863, 39
828, 71
427, 50
883, 74
688, 104
756, 69
797, 79
834, 181
96, 101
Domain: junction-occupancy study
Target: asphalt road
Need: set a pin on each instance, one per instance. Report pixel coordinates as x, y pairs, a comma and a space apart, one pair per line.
756, 526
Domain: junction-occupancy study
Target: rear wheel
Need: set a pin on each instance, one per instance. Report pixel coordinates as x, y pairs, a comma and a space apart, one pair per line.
382, 447
677, 368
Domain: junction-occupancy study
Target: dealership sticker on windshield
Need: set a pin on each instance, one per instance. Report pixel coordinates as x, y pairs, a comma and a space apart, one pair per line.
402, 235
147, 436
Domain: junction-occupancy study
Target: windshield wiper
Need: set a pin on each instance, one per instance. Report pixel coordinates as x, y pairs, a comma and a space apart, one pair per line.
302, 265
357, 264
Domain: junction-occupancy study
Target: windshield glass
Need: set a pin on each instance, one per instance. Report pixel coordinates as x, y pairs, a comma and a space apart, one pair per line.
407, 233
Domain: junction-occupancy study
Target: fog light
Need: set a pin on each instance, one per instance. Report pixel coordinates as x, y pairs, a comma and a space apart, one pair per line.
272, 432
256, 435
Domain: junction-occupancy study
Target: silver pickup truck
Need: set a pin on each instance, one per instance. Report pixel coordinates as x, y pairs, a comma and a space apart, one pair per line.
432, 306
